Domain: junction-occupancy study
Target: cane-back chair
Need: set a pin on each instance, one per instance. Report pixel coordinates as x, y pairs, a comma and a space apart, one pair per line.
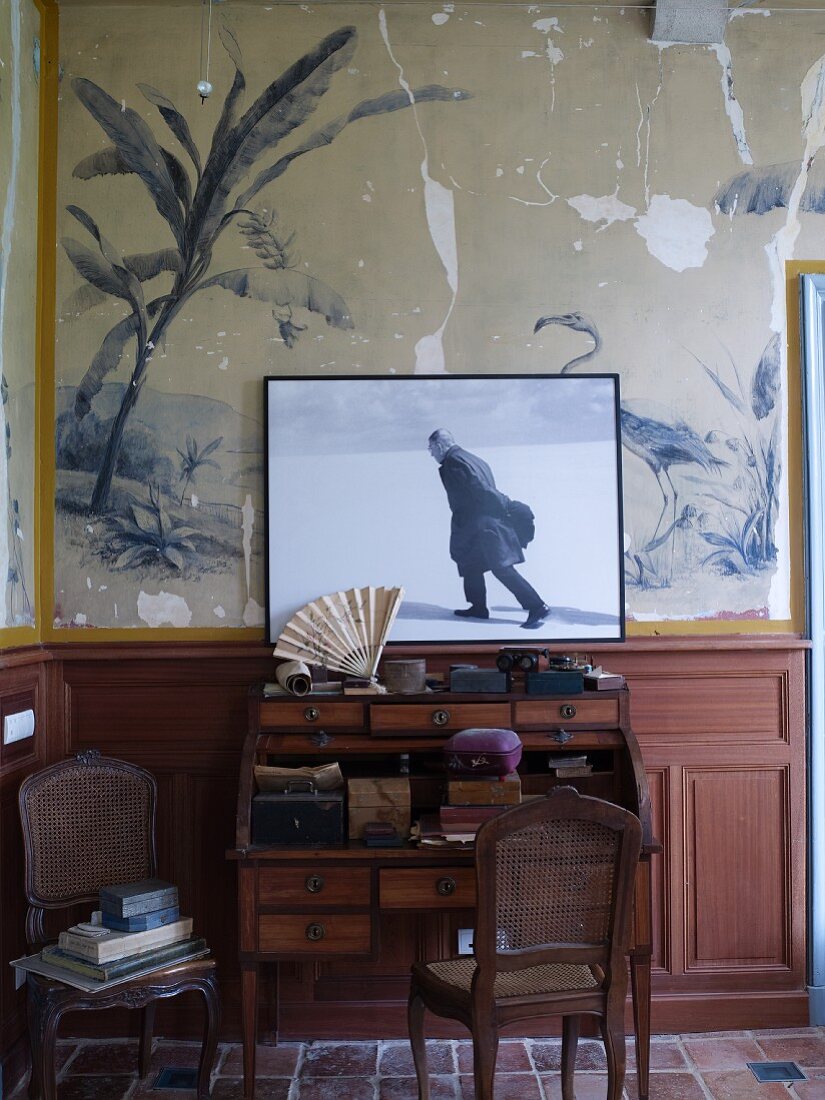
89, 822
554, 883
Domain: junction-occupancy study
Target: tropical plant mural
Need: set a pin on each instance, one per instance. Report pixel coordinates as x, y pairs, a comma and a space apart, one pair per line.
199, 203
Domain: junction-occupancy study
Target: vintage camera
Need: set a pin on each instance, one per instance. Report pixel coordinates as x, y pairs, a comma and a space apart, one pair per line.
526, 660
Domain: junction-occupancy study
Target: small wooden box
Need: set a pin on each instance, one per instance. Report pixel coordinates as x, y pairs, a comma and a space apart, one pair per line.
385, 800
485, 792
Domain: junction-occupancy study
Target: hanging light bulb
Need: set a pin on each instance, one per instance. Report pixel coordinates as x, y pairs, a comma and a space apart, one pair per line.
204, 86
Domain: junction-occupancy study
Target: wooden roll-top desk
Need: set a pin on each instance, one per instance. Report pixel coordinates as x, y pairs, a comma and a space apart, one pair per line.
343, 924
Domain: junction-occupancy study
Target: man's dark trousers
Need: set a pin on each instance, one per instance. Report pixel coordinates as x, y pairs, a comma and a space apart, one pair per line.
475, 588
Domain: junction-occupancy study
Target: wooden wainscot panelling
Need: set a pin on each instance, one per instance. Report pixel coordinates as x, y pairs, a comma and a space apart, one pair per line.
719, 706
660, 869
721, 724
738, 862
23, 679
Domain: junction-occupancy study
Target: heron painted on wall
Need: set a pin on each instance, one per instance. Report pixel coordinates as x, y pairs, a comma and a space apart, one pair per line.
657, 444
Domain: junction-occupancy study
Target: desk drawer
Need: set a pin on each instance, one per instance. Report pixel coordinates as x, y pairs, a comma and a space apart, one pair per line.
431, 718
578, 711
428, 888
317, 714
315, 933
322, 886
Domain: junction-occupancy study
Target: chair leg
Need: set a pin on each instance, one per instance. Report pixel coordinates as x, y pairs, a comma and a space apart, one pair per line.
485, 1052
33, 1011
44, 1067
147, 1025
212, 1005
418, 1044
569, 1045
612, 1026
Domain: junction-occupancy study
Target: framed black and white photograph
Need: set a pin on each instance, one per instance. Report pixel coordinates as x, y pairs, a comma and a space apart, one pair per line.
494, 501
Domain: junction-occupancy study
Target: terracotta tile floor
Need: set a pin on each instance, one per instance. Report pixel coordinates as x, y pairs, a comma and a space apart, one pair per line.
683, 1067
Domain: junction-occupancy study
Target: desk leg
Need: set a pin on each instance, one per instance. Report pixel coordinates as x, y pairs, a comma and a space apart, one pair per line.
249, 1024
640, 984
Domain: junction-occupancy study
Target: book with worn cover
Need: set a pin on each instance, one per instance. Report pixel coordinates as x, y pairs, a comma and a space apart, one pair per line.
36, 964
601, 680
105, 972
492, 791
119, 945
128, 898
141, 922
573, 771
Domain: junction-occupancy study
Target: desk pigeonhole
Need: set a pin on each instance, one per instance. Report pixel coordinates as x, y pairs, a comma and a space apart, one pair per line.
299, 815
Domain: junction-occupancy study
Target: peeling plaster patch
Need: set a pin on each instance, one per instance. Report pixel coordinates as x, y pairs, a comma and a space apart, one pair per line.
247, 525
440, 210
79, 619
253, 614
529, 53
89, 583
165, 607
552, 52
499, 173
607, 209
224, 363
6, 234
732, 106
578, 246
739, 13
552, 198
676, 232
440, 18
219, 611
194, 500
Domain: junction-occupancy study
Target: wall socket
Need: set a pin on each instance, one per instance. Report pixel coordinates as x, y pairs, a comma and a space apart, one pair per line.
465, 941
17, 727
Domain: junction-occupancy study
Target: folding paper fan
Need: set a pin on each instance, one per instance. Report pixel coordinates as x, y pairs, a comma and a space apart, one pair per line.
344, 631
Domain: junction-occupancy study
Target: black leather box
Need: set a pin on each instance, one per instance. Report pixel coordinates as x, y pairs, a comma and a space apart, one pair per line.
484, 680
570, 682
298, 817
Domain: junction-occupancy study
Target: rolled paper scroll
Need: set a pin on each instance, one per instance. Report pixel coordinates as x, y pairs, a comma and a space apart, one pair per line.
294, 676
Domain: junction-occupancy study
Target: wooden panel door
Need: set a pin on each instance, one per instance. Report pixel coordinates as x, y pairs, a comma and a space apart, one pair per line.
737, 905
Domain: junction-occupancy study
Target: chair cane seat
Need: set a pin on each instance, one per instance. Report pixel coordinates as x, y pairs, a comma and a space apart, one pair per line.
551, 978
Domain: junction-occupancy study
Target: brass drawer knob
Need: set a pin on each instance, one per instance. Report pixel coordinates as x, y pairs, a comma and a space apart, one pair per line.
315, 932
312, 714
445, 887
441, 717
314, 884
567, 710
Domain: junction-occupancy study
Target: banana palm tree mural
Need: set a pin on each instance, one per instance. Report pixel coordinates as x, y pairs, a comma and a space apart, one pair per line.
197, 215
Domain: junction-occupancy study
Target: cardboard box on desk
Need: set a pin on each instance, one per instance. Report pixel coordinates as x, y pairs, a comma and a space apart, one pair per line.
375, 799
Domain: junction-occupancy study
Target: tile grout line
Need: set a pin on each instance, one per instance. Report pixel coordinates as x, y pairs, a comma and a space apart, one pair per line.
694, 1069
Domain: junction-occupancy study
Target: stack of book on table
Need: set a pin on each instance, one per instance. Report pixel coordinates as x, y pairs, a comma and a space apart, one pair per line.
569, 767
137, 929
470, 802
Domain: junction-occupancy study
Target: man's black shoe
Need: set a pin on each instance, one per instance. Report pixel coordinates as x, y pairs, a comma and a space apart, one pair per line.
473, 613
536, 617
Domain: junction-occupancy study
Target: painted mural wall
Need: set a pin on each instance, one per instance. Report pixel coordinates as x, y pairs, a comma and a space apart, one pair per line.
19, 122
414, 188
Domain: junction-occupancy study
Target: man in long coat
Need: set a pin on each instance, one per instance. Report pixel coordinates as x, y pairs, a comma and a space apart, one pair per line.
482, 538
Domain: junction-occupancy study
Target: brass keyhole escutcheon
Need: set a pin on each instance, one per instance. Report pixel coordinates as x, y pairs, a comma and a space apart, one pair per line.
312, 714
315, 932
314, 884
445, 887
441, 717
567, 710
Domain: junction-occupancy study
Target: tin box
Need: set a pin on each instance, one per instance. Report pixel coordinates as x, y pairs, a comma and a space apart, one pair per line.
298, 817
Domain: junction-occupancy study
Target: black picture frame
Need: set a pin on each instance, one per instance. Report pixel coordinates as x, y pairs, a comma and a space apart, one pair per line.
353, 498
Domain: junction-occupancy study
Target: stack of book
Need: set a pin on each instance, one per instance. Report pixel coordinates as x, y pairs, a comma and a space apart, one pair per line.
470, 802
137, 929
569, 767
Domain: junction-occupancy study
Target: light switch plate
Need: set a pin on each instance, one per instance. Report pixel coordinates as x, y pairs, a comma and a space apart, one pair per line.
17, 727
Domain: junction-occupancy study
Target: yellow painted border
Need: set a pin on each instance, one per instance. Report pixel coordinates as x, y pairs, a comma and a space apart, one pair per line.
15, 636
45, 407
794, 488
